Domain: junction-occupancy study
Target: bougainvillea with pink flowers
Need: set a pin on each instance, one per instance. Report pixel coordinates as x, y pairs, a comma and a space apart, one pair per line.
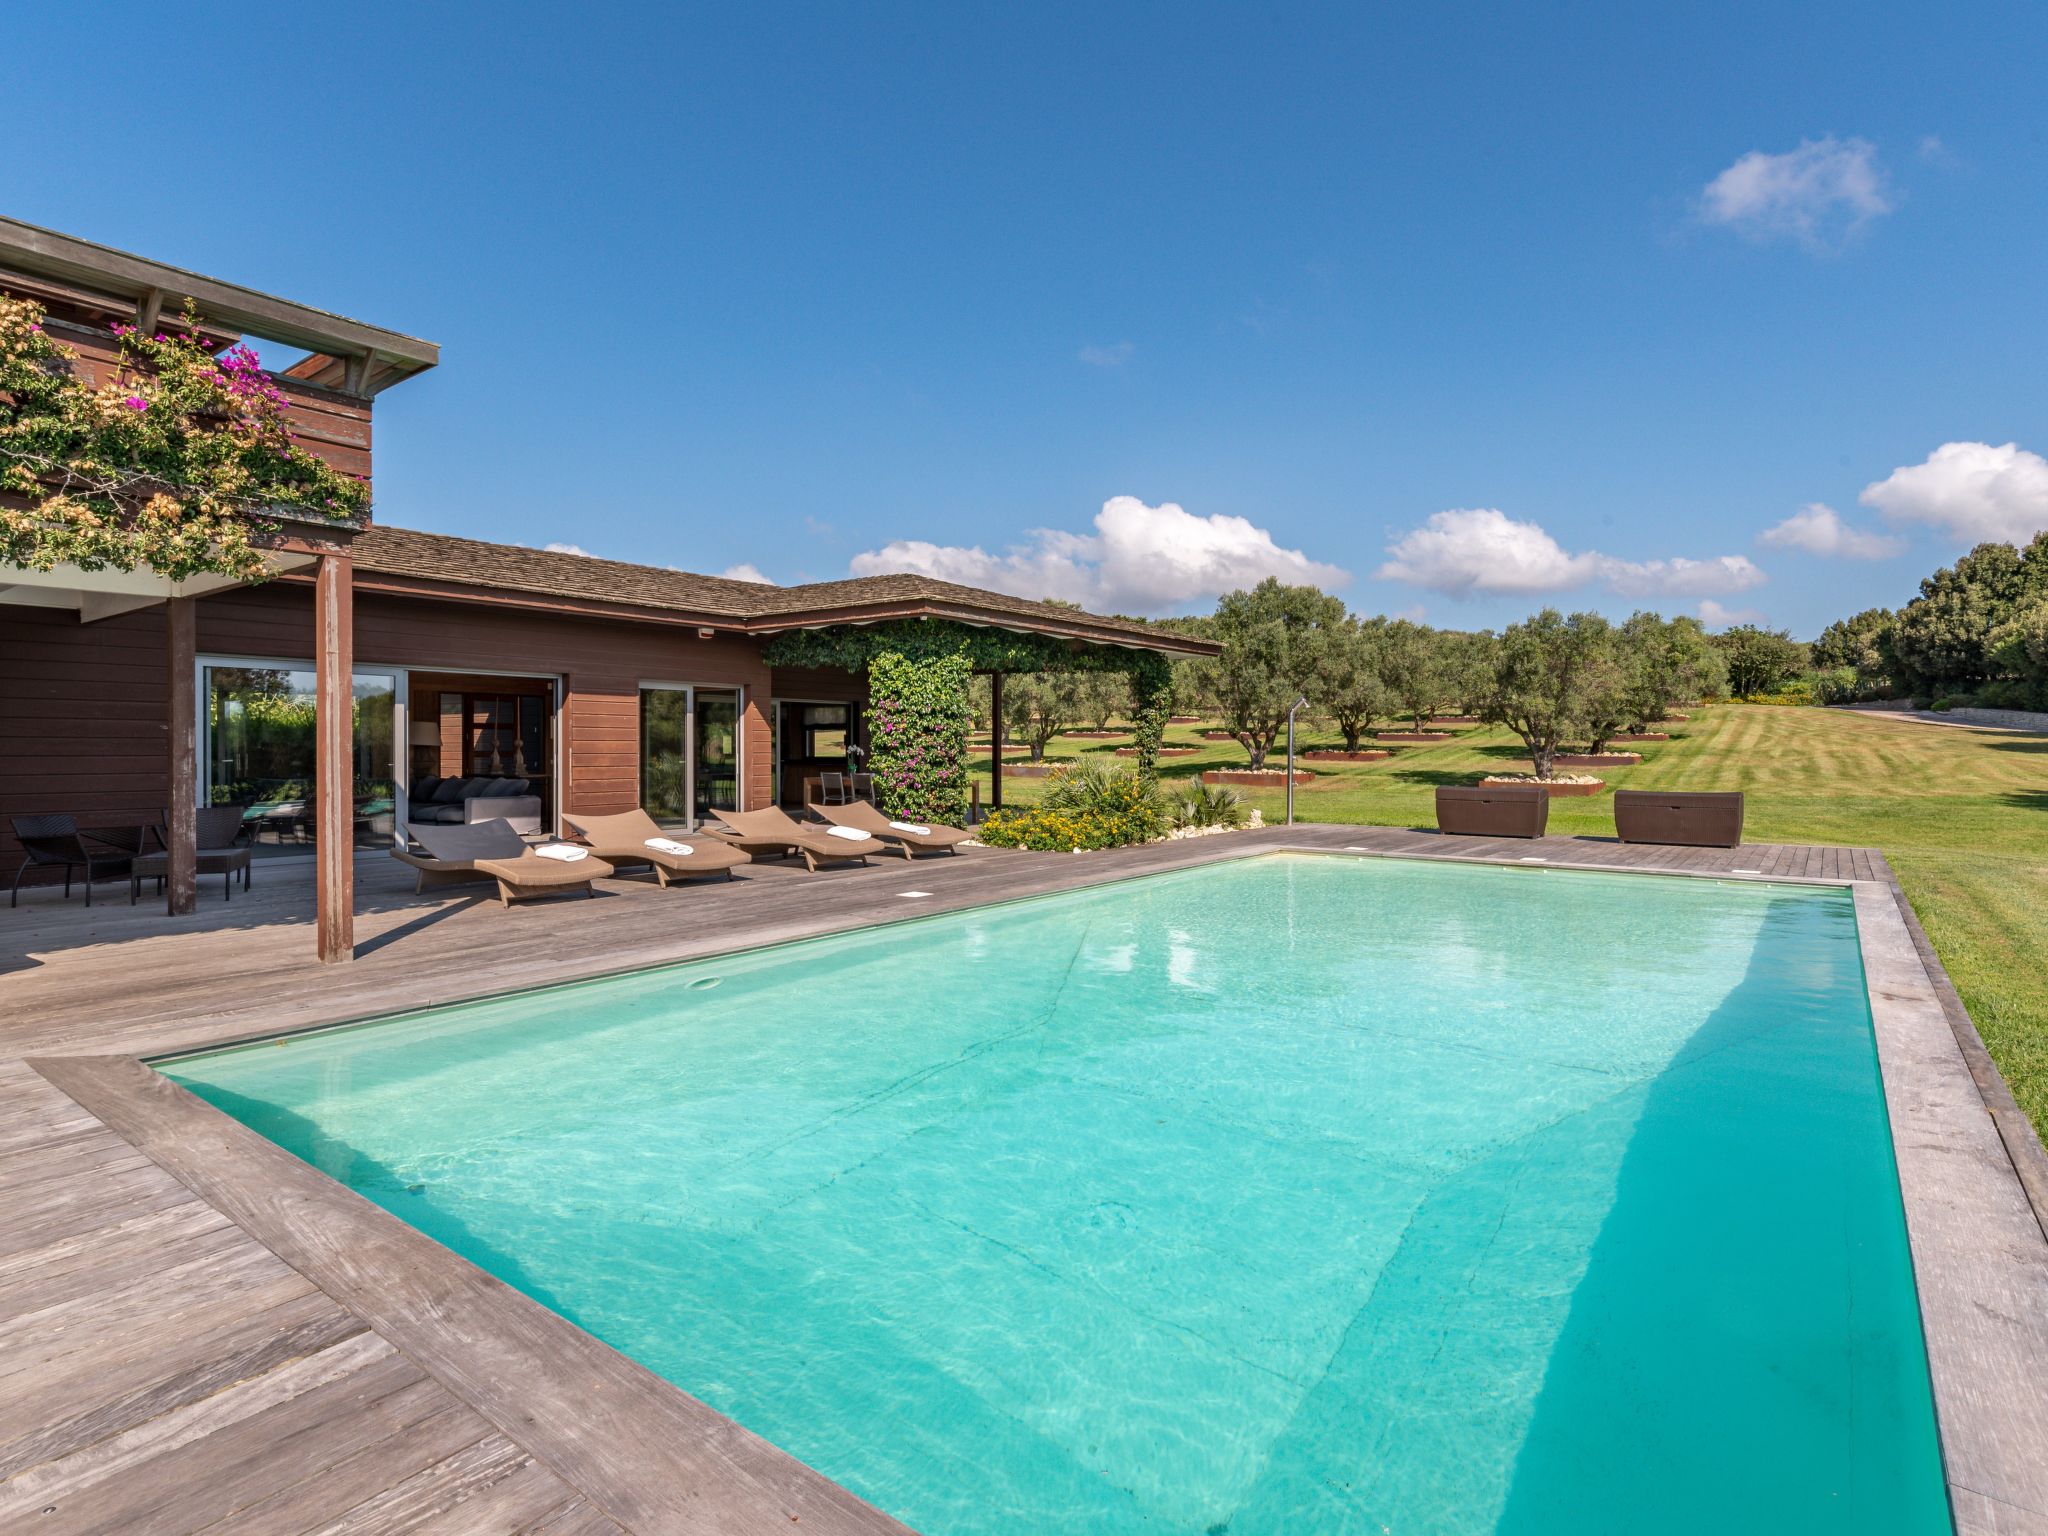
180, 461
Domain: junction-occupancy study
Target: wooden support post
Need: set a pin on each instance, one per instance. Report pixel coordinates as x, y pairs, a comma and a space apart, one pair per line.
181, 834
334, 758
995, 741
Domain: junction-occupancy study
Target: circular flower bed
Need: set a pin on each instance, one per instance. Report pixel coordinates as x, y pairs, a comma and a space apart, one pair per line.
1411, 735
1344, 757
1457, 719
1095, 735
1217, 736
1562, 785
1599, 759
1264, 777
1163, 751
1641, 736
1183, 719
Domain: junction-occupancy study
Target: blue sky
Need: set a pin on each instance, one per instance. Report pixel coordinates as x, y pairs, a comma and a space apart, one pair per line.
1481, 307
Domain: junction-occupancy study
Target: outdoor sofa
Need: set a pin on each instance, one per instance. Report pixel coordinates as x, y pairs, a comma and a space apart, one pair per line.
453, 802
632, 838
908, 837
771, 833
1691, 819
492, 850
1492, 810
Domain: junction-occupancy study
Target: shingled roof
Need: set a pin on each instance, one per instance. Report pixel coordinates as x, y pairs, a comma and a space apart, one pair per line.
439, 559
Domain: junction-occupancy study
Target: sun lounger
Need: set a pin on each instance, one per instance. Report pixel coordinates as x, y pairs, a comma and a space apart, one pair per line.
627, 841
1688, 819
771, 833
1492, 810
909, 837
491, 850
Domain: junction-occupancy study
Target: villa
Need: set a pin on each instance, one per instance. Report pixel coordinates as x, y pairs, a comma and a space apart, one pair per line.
596, 685
1317, 1179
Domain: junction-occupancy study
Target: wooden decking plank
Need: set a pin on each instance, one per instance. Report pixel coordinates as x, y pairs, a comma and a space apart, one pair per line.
110, 1360
407, 1504
203, 1480
148, 1248
304, 1327
532, 1493
63, 1209
347, 1483
60, 1478
577, 1518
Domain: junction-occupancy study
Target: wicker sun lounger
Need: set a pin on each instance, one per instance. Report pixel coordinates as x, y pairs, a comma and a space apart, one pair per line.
491, 850
1492, 810
622, 842
772, 834
911, 838
1688, 819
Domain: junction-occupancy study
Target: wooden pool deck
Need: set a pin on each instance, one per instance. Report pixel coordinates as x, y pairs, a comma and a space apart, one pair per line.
198, 1333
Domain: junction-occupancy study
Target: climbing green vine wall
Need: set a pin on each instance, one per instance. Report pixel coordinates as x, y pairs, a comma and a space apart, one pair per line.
920, 707
917, 734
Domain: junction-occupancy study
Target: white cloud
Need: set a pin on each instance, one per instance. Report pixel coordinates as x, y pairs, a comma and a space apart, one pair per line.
1480, 550
1818, 529
1818, 195
568, 549
1971, 491
745, 572
1107, 357
1714, 616
1139, 559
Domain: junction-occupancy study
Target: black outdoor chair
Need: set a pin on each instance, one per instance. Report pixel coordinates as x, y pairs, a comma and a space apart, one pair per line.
50, 841
221, 852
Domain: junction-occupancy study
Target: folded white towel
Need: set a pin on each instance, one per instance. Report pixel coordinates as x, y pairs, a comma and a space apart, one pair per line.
568, 853
669, 845
851, 834
911, 826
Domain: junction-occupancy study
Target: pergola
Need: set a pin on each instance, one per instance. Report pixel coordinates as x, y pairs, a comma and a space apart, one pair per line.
85, 288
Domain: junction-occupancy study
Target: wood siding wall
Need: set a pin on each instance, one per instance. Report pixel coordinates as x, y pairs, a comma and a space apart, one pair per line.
83, 708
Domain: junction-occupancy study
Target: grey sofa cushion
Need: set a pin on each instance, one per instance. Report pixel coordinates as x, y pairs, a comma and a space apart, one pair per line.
449, 791
424, 786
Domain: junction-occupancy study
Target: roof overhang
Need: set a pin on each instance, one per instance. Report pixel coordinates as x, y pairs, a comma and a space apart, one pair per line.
1078, 631
94, 595
368, 357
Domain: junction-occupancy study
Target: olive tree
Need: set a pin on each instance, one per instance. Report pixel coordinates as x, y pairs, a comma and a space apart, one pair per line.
1412, 667
1273, 639
1553, 677
1759, 659
1348, 687
1037, 706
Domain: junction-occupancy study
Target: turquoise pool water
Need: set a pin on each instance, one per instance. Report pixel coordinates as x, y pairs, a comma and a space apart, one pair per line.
1300, 1195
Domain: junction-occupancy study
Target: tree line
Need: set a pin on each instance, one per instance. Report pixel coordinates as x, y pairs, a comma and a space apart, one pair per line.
1976, 634
1556, 680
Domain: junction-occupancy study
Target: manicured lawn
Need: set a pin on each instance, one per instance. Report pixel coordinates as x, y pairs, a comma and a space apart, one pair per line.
1961, 814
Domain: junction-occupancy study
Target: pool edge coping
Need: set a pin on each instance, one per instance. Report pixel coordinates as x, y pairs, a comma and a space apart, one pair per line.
1979, 1252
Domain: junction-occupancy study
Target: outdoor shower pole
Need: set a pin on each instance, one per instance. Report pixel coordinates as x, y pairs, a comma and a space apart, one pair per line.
1299, 703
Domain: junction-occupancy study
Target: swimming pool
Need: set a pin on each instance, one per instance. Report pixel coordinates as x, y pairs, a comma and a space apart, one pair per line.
1297, 1194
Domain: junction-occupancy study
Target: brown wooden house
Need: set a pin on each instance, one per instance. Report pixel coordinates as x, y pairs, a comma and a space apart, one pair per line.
601, 685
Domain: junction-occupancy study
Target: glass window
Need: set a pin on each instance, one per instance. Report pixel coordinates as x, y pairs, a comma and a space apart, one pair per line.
718, 751
664, 758
260, 752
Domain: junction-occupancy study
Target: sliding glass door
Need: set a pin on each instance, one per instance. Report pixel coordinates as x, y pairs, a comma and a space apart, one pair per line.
259, 751
689, 752
665, 755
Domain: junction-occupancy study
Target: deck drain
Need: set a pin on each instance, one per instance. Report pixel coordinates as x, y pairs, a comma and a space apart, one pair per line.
1745, 871
912, 895
1530, 858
